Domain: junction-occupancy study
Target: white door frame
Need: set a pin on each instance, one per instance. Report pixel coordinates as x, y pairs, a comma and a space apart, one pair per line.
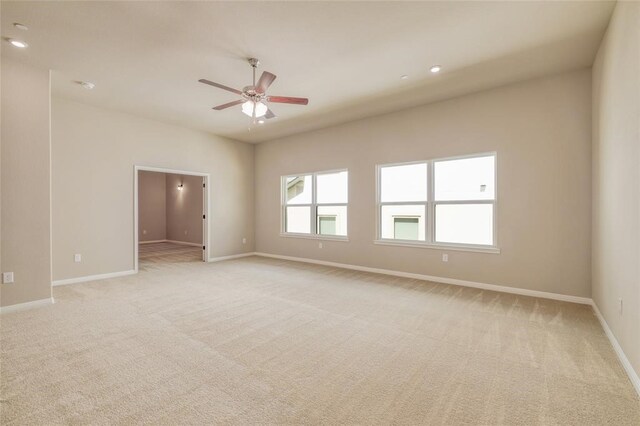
205, 203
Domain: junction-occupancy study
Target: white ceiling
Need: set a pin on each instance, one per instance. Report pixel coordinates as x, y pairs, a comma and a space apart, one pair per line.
347, 58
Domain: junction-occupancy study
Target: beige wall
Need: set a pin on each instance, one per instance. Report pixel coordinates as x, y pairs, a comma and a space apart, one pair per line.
152, 206
25, 169
616, 178
167, 213
184, 208
94, 152
541, 131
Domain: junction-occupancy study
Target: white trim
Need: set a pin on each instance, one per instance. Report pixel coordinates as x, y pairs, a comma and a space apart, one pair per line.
206, 206
444, 280
93, 277
152, 241
230, 257
315, 237
50, 195
171, 171
438, 246
27, 305
633, 376
184, 243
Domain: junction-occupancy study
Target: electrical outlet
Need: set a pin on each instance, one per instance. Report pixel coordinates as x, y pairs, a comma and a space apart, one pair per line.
77, 258
620, 305
144, 232
186, 232
319, 245
445, 257
7, 277
244, 241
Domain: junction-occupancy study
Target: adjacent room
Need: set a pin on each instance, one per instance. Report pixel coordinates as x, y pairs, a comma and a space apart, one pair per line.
170, 217
344, 213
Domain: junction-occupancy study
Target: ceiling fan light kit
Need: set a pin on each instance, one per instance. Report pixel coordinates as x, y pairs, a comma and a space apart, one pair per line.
253, 98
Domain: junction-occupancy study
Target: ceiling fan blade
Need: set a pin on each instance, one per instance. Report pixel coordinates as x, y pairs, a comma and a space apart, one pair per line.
219, 86
288, 100
269, 114
265, 81
228, 105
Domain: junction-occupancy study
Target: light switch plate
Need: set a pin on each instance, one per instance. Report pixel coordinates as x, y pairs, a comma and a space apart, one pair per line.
7, 277
77, 258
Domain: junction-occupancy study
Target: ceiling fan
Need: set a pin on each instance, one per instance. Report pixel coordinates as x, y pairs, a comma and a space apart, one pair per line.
253, 97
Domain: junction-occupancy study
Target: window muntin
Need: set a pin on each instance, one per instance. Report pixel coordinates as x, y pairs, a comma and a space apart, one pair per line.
452, 199
315, 204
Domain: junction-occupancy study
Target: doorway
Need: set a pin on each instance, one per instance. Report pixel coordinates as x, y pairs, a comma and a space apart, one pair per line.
170, 216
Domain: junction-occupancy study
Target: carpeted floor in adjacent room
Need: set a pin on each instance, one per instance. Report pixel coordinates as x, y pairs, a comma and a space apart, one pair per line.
261, 341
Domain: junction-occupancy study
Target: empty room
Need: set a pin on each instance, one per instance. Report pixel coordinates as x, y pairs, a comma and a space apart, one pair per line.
307, 212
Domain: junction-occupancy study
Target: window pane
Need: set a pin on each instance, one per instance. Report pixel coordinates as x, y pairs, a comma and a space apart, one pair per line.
298, 189
332, 188
399, 222
332, 220
464, 223
465, 179
405, 228
403, 183
298, 219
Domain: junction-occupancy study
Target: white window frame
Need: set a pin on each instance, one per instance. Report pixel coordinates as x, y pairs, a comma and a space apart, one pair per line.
313, 216
430, 209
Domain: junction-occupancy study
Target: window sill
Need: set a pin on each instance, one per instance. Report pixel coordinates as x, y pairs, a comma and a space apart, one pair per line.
445, 247
315, 237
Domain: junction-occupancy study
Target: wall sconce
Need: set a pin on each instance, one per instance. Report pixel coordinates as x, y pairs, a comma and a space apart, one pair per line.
180, 187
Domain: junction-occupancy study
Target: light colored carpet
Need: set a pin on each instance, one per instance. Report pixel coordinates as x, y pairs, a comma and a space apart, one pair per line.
272, 342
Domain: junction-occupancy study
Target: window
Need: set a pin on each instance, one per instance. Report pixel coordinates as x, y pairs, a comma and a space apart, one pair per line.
315, 204
447, 202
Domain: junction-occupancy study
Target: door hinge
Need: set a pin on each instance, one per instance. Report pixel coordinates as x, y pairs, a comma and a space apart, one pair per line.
204, 216
203, 247
204, 185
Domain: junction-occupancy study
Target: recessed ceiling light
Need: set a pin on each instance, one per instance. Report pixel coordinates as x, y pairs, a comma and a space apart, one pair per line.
86, 84
20, 26
260, 121
17, 43
404, 77
436, 68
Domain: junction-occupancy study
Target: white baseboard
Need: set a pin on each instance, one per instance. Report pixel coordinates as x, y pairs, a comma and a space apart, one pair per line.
92, 278
152, 241
444, 280
27, 305
233, 256
633, 375
184, 243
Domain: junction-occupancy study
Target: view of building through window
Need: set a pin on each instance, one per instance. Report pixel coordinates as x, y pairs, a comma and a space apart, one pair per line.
464, 198
434, 202
456, 207
316, 203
